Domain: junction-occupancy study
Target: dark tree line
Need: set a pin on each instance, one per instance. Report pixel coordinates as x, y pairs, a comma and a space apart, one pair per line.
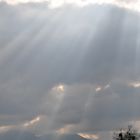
126, 134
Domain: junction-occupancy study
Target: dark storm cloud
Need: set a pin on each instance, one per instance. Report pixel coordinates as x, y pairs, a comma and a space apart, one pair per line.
82, 48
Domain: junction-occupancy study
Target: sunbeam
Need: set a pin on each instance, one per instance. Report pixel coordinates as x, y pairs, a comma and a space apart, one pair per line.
22, 37
69, 69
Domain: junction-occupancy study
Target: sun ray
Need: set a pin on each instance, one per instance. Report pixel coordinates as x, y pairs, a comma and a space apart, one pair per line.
15, 44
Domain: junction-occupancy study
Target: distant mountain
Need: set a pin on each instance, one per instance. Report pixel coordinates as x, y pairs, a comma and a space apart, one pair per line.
20, 135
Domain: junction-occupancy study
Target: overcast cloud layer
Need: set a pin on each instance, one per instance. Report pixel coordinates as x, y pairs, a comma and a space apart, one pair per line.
69, 70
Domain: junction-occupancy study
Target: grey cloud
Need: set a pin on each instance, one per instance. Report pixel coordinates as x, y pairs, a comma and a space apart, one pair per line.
41, 48
88, 110
24, 135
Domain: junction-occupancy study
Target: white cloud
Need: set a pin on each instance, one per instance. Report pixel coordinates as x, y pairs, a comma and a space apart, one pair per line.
64, 130
98, 89
6, 128
32, 122
128, 4
89, 136
135, 84
21, 1
59, 88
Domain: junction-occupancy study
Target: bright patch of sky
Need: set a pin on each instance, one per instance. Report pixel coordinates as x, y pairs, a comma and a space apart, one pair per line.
128, 4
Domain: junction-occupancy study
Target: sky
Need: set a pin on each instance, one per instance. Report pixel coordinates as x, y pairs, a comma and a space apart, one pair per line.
69, 67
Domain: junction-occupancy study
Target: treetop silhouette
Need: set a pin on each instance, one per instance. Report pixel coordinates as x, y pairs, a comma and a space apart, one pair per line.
127, 134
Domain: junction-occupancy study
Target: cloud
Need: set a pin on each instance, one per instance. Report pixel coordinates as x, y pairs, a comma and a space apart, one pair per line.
88, 136
135, 84
4, 129
90, 110
78, 70
32, 122
128, 4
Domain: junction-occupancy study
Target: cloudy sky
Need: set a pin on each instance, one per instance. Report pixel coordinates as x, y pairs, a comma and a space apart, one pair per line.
69, 66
